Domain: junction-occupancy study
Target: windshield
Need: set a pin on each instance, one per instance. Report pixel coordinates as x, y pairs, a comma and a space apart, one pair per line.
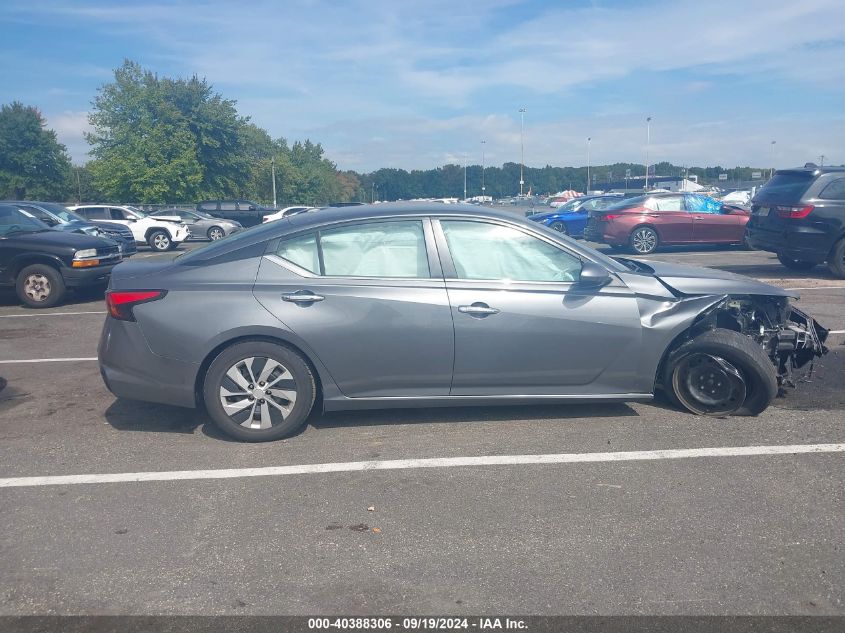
136, 211
61, 212
785, 187
14, 220
628, 203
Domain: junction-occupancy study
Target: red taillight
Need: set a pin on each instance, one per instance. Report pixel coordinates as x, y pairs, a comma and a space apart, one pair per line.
794, 213
121, 302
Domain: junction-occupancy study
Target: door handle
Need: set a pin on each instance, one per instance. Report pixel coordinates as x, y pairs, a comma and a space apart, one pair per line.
302, 296
478, 309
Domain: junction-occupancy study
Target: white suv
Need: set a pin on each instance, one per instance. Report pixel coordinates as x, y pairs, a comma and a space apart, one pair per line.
161, 232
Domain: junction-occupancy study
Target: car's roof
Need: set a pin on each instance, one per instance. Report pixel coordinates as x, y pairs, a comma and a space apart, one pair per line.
396, 209
811, 169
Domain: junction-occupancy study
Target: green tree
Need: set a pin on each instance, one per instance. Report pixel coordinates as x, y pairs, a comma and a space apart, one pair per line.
33, 164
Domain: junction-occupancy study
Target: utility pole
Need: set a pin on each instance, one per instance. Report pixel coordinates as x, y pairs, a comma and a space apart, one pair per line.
821, 160
588, 165
273, 171
78, 188
522, 148
483, 143
647, 143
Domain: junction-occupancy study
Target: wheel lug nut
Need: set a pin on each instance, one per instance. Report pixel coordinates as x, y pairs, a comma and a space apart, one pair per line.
250, 398
269, 393
262, 401
261, 384
252, 386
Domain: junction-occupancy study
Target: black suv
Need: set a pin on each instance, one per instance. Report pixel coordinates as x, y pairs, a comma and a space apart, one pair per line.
41, 263
800, 215
246, 212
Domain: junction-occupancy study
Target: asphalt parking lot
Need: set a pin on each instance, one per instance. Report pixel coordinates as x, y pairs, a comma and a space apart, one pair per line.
706, 533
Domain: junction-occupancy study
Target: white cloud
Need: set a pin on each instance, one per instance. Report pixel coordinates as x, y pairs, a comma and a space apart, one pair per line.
70, 129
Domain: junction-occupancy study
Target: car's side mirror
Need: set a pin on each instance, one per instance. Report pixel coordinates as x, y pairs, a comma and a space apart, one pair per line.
593, 275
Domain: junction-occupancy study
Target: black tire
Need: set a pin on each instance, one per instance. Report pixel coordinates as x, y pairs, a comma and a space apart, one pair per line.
281, 424
644, 240
40, 286
757, 372
795, 264
215, 233
160, 240
836, 260
560, 227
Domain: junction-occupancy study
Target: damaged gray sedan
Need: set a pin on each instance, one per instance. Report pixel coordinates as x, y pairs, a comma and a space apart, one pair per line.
429, 305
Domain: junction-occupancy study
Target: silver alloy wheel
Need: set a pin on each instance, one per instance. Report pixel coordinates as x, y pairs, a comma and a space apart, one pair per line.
558, 226
215, 234
161, 242
258, 392
37, 287
644, 240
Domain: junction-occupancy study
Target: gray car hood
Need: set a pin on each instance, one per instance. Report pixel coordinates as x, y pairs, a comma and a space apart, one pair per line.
693, 280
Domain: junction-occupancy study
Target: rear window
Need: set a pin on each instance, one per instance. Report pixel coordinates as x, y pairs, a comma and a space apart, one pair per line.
785, 187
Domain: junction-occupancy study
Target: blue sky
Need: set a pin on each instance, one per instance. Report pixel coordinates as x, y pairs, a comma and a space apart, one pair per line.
417, 84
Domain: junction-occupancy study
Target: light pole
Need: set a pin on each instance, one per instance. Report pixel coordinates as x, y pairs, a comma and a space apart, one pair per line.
483, 143
647, 142
588, 164
522, 148
373, 193
772, 171
465, 176
273, 171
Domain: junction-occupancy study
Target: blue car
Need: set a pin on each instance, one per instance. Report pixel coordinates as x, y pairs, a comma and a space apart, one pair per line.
571, 217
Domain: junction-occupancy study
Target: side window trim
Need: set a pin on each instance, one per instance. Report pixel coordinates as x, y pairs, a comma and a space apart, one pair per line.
450, 273
429, 237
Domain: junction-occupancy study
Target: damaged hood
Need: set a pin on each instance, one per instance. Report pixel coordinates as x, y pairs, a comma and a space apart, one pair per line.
694, 280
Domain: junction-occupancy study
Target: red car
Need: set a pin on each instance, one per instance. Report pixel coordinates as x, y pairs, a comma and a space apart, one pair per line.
647, 222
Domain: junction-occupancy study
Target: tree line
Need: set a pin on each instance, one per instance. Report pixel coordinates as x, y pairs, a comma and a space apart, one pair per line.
162, 140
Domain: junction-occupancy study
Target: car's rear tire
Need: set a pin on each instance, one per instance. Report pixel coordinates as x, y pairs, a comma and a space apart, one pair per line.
836, 260
215, 233
40, 286
720, 372
160, 241
237, 393
560, 227
644, 240
795, 264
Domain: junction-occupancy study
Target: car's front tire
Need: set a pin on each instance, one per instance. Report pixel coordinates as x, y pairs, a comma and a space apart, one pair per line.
40, 286
215, 233
160, 241
721, 372
560, 227
258, 391
795, 264
644, 240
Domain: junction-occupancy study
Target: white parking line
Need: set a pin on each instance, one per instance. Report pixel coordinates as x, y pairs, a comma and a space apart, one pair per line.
15, 316
437, 462
811, 287
46, 360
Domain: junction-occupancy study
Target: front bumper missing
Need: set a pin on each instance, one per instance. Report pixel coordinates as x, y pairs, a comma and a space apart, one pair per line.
796, 346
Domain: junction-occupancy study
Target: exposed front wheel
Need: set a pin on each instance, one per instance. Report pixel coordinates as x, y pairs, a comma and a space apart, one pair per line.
160, 241
40, 286
795, 264
560, 227
721, 372
258, 391
215, 233
644, 240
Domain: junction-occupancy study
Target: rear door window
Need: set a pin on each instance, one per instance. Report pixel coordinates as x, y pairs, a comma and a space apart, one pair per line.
671, 203
94, 213
834, 191
785, 187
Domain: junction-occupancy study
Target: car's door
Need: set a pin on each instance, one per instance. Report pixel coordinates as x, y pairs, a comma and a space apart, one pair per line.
711, 223
671, 218
370, 301
523, 323
93, 213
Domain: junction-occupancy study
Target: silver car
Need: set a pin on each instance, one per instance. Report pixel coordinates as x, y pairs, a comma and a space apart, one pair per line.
421, 305
202, 225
